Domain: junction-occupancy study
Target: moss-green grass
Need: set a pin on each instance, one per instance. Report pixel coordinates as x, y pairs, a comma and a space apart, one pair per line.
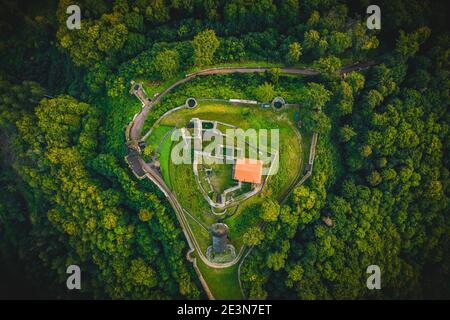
201, 235
185, 187
157, 134
223, 283
164, 160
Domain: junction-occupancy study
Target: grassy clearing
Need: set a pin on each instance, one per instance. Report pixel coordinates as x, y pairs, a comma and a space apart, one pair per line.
185, 188
203, 237
290, 161
223, 283
223, 112
164, 159
222, 177
157, 134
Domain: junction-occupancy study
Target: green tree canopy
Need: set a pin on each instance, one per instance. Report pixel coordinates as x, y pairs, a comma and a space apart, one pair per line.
294, 53
205, 45
253, 236
265, 92
270, 210
167, 63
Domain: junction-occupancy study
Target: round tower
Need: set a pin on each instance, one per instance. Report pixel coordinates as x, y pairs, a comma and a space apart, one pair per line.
219, 232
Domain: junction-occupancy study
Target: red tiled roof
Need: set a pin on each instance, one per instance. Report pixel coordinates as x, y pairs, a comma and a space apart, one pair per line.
248, 170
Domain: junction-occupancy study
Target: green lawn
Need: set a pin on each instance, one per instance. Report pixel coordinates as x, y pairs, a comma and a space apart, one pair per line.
182, 178
157, 134
223, 283
203, 237
185, 187
164, 159
223, 112
222, 177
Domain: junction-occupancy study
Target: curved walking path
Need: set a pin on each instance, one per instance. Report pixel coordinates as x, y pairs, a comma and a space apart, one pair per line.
138, 121
134, 130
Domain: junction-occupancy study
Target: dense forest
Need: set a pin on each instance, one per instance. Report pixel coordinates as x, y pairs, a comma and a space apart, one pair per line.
381, 175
